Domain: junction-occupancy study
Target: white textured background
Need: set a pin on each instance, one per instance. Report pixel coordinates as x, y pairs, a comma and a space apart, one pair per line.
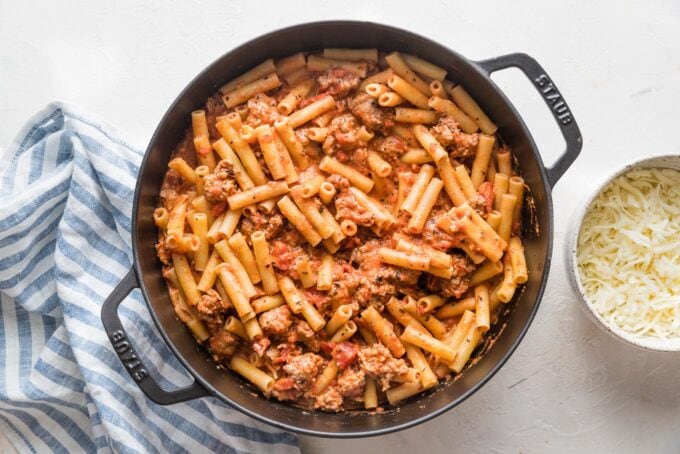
569, 387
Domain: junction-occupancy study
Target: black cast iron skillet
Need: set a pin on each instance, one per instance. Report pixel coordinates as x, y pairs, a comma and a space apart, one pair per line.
146, 271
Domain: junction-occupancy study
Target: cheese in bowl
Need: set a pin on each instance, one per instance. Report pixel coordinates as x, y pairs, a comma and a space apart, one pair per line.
628, 255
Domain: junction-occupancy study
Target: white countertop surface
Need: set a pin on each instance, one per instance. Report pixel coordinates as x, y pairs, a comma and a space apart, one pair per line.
568, 387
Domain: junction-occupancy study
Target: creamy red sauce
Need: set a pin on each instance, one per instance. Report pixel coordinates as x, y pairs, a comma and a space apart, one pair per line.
290, 350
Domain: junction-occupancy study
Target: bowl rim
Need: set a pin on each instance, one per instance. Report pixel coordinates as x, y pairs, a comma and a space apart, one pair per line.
645, 343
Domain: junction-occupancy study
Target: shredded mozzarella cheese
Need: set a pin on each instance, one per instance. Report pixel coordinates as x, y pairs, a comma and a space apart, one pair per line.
628, 253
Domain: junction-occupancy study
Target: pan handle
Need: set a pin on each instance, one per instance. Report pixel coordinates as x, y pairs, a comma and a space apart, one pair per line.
129, 357
553, 98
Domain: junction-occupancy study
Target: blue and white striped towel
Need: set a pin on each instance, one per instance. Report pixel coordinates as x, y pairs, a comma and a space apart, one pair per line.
65, 204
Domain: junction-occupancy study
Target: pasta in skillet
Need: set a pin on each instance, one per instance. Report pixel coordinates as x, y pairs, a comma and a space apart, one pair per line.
341, 229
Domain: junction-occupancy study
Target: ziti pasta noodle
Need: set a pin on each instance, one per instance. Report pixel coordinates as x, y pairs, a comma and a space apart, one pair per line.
340, 229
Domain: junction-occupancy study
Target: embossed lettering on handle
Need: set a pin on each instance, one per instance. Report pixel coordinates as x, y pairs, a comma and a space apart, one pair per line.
553, 98
555, 102
125, 350
128, 356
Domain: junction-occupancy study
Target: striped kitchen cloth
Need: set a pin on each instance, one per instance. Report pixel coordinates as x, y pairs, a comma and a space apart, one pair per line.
65, 204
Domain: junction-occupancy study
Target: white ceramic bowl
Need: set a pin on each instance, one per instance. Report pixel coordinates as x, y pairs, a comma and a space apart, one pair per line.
649, 343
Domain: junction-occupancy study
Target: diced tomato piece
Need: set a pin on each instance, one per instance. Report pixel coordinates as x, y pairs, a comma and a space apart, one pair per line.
282, 255
284, 384
285, 353
327, 346
218, 208
487, 193
317, 298
345, 353
341, 156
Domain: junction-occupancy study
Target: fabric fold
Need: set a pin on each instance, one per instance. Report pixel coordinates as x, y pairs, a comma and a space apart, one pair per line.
65, 213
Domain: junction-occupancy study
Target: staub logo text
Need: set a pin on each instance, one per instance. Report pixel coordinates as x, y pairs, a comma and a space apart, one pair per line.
128, 355
554, 98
